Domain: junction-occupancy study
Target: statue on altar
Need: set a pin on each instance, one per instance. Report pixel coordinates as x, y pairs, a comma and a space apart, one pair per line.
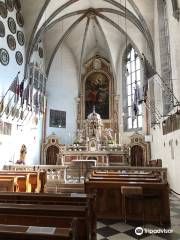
93, 135
79, 139
23, 152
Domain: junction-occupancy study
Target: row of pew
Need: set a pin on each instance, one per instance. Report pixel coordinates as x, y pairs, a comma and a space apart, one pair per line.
72, 215
108, 187
26, 211
22, 181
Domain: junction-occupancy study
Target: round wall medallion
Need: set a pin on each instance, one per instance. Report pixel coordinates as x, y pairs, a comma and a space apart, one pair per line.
20, 19
2, 29
3, 10
20, 38
19, 58
4, 56
17, 5
11, 42
10, 5
12, 25
40, 50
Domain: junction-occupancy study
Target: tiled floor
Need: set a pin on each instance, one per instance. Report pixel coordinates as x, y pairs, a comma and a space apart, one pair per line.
113, 230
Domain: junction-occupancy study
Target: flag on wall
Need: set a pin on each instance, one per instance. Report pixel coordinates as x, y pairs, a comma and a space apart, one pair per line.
14, 84
137, 99
149, 72
21, 90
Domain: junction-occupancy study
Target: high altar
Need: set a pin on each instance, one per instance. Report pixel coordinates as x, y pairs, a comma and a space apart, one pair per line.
98, 136
93, 142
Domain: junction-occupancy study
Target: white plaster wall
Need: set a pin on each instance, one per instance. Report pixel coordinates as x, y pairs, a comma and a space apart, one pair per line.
29, 134
62, 91
160, 147
8, 73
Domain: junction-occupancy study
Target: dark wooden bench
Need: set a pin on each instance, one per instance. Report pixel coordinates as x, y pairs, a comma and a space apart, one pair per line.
46, 216
109, 200
121, 179
20, 232
116, 174
56, 199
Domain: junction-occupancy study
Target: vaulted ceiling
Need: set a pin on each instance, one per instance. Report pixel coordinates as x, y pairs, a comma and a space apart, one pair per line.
89, 27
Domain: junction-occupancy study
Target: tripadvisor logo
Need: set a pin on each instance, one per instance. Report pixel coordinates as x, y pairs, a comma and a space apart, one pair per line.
139, 231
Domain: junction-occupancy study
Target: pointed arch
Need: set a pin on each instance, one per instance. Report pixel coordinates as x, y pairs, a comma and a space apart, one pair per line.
131, 82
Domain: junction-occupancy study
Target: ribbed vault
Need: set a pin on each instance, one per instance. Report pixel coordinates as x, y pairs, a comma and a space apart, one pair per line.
89, 27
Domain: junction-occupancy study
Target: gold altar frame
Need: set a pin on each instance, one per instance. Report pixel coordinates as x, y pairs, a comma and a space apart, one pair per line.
105, 69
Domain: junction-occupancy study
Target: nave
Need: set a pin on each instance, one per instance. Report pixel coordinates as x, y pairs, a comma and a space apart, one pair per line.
89, 119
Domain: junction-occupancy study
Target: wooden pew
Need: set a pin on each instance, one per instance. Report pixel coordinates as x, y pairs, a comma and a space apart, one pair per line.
46, 216
19, 232
56, 199
21, 181
114, 174
109, 200
7, 185
121, 179
35, 180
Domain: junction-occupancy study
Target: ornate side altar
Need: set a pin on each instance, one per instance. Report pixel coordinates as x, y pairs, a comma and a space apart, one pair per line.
94, 142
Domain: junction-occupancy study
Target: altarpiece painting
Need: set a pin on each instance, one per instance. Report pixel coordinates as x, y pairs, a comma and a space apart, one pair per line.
97, 94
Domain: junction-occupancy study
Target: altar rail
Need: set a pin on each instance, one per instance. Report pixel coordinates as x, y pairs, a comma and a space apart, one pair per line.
54, 172
59, 172
162, 172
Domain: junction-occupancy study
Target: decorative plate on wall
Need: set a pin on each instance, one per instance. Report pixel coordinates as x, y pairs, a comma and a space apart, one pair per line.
19, 58
2, 29
40, 50
20, 19
11, 42
10, 5
4, 56
20, 38
3, 10
12, 25
17, 5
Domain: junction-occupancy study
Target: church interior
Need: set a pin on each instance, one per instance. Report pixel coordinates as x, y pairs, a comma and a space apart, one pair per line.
89, 119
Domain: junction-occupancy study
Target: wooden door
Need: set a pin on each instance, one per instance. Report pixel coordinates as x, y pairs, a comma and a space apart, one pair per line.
51, 155
137, 156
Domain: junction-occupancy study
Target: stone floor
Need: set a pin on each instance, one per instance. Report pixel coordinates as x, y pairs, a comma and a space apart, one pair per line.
113, 230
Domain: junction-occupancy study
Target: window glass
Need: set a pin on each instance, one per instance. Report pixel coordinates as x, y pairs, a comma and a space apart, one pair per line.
133, 79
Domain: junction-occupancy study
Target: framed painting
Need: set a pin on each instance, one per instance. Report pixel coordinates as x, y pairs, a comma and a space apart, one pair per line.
97, 94
57, 119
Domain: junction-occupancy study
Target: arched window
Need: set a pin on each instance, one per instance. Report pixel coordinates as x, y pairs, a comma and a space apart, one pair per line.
132, 84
